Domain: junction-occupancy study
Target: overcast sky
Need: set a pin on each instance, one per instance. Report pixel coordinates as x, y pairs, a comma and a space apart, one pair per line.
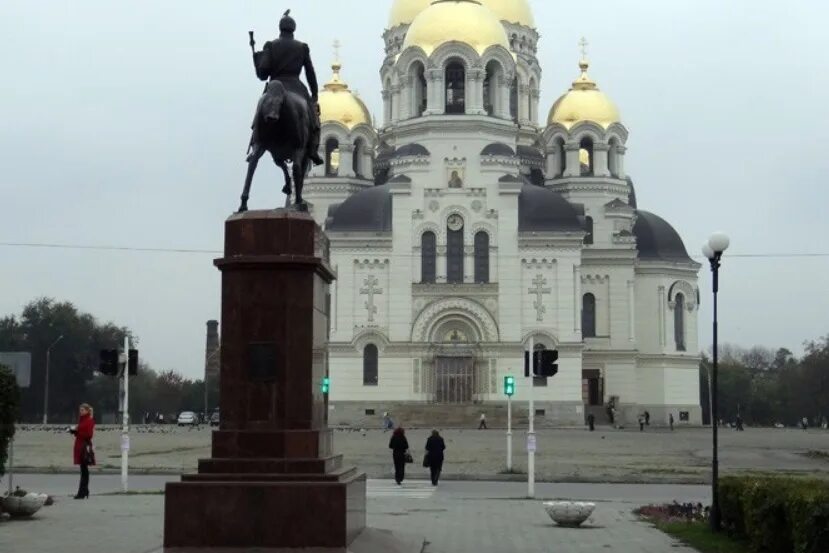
125, 124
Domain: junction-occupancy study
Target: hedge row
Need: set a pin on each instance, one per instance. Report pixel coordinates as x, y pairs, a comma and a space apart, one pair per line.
776, 514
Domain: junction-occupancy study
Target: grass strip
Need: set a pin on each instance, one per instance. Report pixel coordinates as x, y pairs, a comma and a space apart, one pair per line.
699, 536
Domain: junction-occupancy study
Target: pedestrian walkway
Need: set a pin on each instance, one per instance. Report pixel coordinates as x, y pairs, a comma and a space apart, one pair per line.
414, 489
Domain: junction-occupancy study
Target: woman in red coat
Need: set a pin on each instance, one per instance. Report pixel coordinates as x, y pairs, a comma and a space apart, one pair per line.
84, 455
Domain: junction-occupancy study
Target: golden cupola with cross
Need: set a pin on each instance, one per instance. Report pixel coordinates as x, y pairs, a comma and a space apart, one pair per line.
584, 102
340, 104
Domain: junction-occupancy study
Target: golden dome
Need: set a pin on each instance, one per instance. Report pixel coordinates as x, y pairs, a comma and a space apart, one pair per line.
403, 12
584, 102
512, 11
338, 103
466, 21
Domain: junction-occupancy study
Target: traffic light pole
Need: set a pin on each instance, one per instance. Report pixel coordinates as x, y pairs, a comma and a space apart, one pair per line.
125, 420
531, 433
509, 433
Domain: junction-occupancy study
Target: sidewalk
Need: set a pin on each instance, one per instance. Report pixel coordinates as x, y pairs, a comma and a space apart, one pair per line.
452, 519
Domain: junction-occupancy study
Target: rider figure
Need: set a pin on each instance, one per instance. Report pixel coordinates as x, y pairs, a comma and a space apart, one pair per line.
283, 60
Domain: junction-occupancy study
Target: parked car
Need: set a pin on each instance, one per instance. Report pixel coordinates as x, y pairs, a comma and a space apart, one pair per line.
187, 418
214, 418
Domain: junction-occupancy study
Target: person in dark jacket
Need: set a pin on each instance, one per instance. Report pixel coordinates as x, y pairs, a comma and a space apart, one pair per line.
435, 447
283, 60
83, 454
399, 447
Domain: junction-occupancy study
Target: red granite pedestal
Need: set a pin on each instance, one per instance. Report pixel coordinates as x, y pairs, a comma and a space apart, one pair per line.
273, 480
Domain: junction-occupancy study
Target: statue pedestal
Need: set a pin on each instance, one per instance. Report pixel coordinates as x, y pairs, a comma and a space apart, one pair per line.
273, 480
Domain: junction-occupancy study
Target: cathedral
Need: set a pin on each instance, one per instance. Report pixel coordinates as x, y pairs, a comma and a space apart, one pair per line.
474, 221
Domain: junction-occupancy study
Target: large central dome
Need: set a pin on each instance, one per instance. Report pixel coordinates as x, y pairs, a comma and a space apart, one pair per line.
466, 21
404, 12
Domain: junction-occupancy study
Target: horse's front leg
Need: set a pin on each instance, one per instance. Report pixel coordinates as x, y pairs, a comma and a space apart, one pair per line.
301, 164
253, 162
287, 189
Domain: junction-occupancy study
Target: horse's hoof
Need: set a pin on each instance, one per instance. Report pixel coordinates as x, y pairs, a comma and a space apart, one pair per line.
286, 190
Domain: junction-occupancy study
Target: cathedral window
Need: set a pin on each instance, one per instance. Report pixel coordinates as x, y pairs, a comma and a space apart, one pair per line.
586, 156
588, 227
419, 97
513, 100
370, 370
332, 157
428, 258
679, 322
454, 250
539, 381
561, 152
481, 257
491, 90
455, 88
588, 316
357, 158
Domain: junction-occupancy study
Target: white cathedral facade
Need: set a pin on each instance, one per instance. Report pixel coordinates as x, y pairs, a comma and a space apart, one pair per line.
465, 230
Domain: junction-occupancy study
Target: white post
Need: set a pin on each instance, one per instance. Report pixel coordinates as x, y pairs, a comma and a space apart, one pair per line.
531, 433
11, 463
125, 420
509, 433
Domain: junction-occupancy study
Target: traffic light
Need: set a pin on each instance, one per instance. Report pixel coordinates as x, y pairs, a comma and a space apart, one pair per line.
109, 362
509, 386
132, 362
544, 363
326, 385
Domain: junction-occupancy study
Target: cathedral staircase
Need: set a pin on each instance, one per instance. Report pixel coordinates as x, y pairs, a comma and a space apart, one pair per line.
435, 415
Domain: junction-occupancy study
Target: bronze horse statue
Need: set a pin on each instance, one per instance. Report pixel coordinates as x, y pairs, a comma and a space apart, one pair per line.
282, 128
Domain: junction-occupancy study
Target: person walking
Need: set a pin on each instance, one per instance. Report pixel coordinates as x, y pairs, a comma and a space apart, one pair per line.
591, 422
83, 454
671, 421
641, 423
482, 424
435, 446
399, 451
647, 418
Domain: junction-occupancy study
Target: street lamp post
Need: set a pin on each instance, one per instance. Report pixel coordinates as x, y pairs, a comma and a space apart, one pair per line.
713, 250
46, 382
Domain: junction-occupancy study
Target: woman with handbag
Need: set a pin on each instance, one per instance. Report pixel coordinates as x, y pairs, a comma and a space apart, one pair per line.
83, 454
399, 446
435, 447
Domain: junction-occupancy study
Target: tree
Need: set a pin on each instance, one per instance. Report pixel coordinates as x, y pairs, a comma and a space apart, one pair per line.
9, 400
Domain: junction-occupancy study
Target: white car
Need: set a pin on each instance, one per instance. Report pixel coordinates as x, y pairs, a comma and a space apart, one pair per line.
187, 418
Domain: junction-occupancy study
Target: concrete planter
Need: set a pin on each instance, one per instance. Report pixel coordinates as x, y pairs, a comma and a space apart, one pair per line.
19, 507
569, 513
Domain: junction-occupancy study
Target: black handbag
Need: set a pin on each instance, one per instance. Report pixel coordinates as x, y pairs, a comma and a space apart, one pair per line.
408, 458
426, 461
88, 454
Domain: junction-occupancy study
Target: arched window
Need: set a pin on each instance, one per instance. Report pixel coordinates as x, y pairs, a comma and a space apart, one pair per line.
455, 88
387, 101
679, 322
481, 257
357, 157
513, 99
586, 156
588, 227
562, 157
491, 89
370, 371
588, 316
332, 157
531, 100
428, 258
418, 74
454, 250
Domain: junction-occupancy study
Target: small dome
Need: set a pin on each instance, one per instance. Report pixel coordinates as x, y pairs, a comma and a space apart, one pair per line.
542, 210
466, 21
338, 103
512, 11
403, 12
584, 102
497, 149
657, 240
410, 150
369, 210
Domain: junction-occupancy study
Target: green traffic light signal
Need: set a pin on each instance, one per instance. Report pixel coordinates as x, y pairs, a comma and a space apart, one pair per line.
509, 386
326, 385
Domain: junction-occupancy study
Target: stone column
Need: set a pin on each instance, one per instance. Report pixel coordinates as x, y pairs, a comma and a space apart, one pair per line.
573, 168
386, 108
502, 98
600, 168
523, 104
434, 92
577, 294
632, 310
440, 268
346, 168
620, 161
405, 98
475, 92
395, 103
535, 95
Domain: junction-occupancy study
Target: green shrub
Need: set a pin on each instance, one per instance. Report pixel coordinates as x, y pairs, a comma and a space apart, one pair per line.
777, 515
9, 400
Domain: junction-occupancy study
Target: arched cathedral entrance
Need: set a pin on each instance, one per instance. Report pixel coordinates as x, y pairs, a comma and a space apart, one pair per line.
455, 359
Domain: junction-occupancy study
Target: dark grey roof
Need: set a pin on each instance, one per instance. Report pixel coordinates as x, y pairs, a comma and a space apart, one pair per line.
401, 178
366, 211
542, 210
497, 149
616, 203
510, 178
530, 152
657, 240
411, 150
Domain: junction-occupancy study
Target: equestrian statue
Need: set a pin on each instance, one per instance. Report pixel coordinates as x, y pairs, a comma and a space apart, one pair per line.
287, 121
